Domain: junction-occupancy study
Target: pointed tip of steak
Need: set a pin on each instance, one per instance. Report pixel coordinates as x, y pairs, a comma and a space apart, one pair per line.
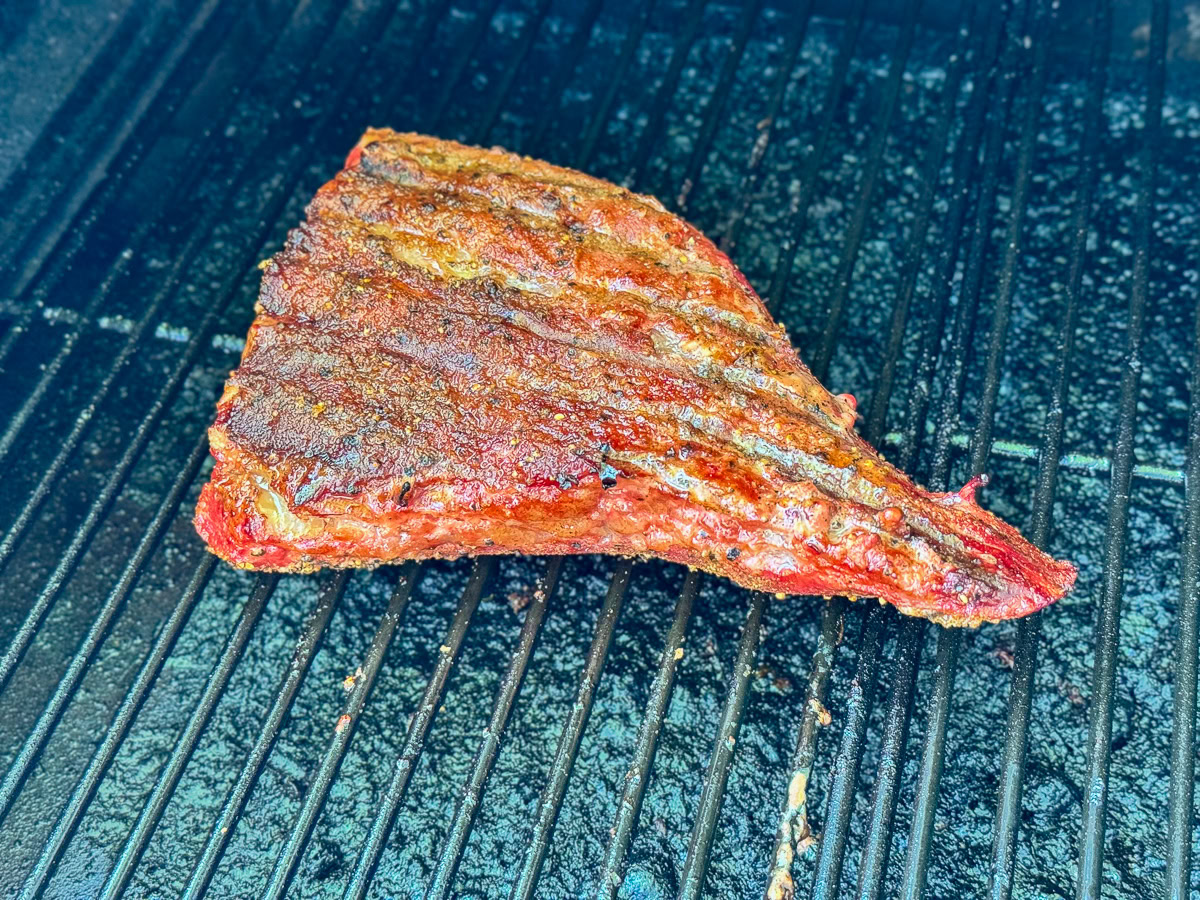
996, 573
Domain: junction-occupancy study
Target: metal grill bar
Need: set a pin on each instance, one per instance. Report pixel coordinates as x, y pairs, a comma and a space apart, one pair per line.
67, 684
844, 770
942, 281
392, 90
934, 157
981, 439
866, 190
40, 201
878, 845
717, 776
797, 219
971, 288
181, 753
470, 43
566, 68
306, 649
1183, 715
633, 37
612, 872
318, 791
85, 789
694, 16
1008, 806
1091, 839
793, 821
753, 174
472, 792
916, 861
146, 428
716, 103
33, 619
79, 429
528, 35
550, 802
1084, 463
193, 165
100, 506
949, 641
418, 728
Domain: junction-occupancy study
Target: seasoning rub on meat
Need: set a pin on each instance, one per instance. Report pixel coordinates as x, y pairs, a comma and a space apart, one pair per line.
465, 351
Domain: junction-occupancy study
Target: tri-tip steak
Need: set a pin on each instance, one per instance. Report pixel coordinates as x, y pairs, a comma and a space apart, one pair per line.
466, 351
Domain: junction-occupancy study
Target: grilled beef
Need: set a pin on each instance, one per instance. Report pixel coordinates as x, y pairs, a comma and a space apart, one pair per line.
464, 351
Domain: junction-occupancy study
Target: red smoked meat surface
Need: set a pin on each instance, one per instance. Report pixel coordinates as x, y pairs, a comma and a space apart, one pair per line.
465, 351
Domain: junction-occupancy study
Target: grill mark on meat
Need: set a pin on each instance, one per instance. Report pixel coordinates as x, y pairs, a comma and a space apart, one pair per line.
665, 343
512, 325
540, 394
472, 240
543, 395
593, 212
475, 197
589, 376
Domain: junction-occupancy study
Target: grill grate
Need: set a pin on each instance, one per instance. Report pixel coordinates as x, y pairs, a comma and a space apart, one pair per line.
1183, 721
551, 799
283, 91
102, 131
135, 843
1091, 853
1024, 657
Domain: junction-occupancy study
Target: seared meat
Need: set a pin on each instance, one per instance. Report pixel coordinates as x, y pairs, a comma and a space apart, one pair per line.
465, 351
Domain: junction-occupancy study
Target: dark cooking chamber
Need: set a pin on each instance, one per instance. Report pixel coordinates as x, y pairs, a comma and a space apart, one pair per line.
982, 222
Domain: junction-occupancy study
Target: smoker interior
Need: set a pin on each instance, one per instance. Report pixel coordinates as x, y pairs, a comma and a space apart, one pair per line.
1007, 279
